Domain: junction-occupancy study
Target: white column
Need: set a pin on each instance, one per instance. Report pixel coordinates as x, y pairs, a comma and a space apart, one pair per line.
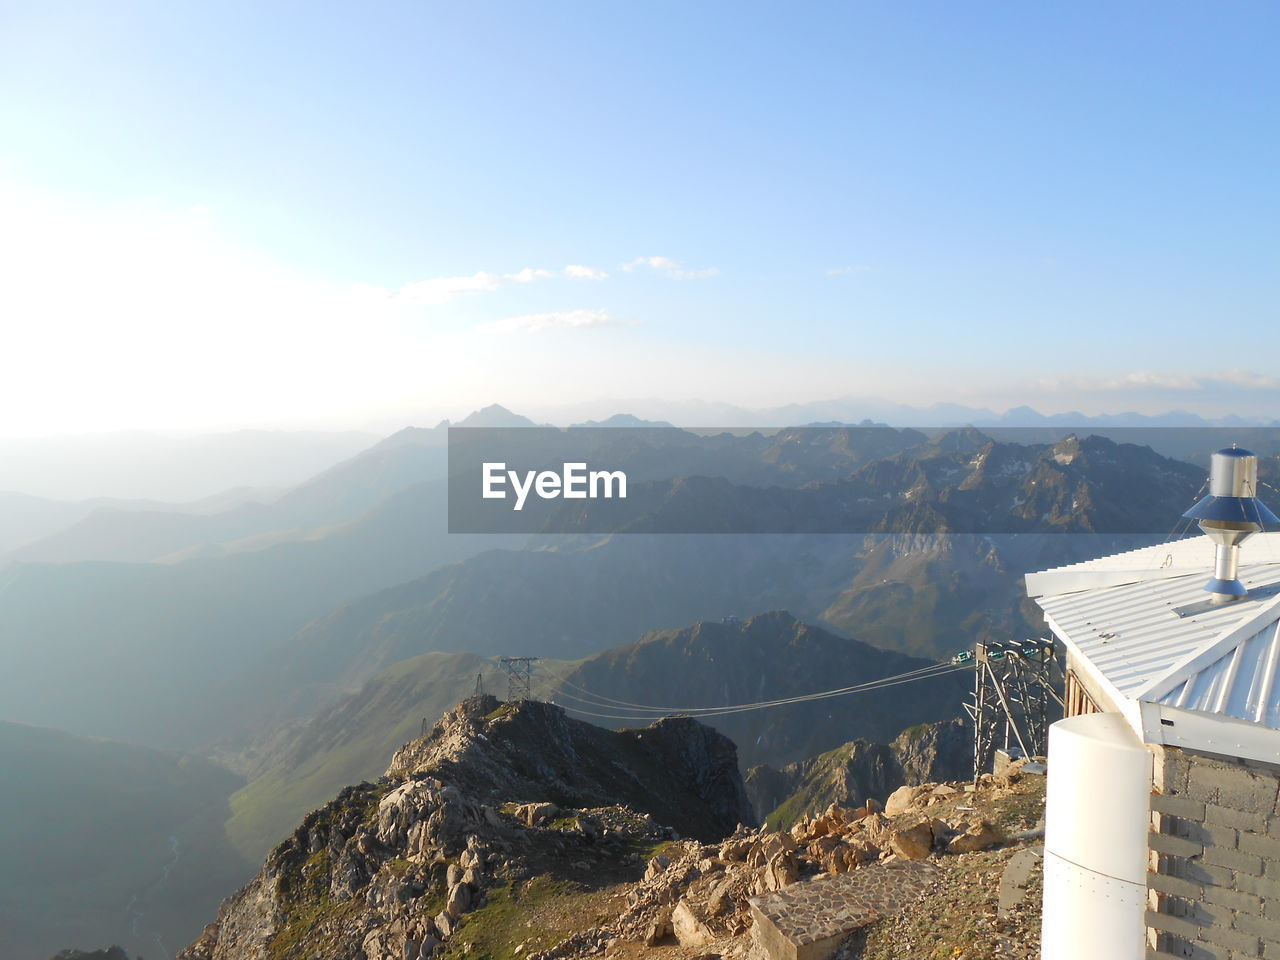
1097, 815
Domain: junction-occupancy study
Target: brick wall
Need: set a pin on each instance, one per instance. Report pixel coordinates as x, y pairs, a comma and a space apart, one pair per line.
1215, 858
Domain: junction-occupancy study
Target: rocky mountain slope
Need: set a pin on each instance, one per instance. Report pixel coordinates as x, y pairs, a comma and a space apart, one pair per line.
451, 827
855, 772
294, 768
488, 839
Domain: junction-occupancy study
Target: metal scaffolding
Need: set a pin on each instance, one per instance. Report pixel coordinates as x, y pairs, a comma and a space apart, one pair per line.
1013, 686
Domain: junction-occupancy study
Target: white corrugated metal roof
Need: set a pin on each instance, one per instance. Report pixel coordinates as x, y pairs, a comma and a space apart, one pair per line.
1241, 683
1146, 628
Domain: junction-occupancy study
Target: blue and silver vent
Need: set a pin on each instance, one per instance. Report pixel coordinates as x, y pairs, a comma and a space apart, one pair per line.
1228, 515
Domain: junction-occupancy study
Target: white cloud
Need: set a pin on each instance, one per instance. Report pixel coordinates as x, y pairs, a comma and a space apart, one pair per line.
578, 272
559, 320
672, 268
657, 263
1248, 379
433, 292
430, 293
528, 275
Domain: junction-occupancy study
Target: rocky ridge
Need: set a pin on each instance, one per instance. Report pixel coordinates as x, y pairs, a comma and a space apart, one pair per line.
495, 797
476, 844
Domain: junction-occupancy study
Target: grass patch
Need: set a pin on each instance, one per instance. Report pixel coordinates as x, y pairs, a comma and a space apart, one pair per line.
503, 711
914, 734
784, 816
645, 849
540, 913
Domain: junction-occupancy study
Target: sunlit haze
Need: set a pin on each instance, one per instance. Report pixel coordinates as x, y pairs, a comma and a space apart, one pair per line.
245, 216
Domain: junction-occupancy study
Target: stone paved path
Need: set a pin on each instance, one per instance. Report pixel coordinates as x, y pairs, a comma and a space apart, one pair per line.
807, 920
1017, 873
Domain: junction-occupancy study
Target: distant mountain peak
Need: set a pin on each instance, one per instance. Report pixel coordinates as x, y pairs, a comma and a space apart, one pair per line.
966, 439
494, 415
624, 420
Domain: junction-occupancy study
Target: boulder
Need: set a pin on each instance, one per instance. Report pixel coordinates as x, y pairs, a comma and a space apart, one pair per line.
736, 850
459, 901
900, 801
657, 866
822, 847
656, 932
874, 824
912, 843
533, 814
776, 843
719, 905
783, 870
688, 927
980, 836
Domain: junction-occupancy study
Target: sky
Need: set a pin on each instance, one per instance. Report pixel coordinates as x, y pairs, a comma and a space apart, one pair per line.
231, 215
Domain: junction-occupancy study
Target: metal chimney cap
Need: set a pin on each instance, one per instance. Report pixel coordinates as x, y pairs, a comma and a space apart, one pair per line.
1233, 489
1232, 510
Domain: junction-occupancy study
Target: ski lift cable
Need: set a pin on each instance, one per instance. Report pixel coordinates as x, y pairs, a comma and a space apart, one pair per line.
728, 712
932, 669
743, 708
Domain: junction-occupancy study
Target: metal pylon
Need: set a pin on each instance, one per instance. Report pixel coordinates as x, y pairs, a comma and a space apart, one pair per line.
519, 677
1013, 687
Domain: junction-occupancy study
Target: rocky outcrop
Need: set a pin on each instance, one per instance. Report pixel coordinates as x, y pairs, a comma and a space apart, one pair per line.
849, 775
495, 795
935, 752
111, 953
480, 841
680, 772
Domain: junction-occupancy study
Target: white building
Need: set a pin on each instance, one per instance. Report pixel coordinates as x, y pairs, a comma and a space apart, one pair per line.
1163, 830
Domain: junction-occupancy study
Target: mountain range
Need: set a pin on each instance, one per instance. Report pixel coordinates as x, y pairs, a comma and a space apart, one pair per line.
768, 656
297, 636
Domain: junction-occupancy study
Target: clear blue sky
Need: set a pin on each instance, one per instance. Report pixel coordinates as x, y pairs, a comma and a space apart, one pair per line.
1071, 205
